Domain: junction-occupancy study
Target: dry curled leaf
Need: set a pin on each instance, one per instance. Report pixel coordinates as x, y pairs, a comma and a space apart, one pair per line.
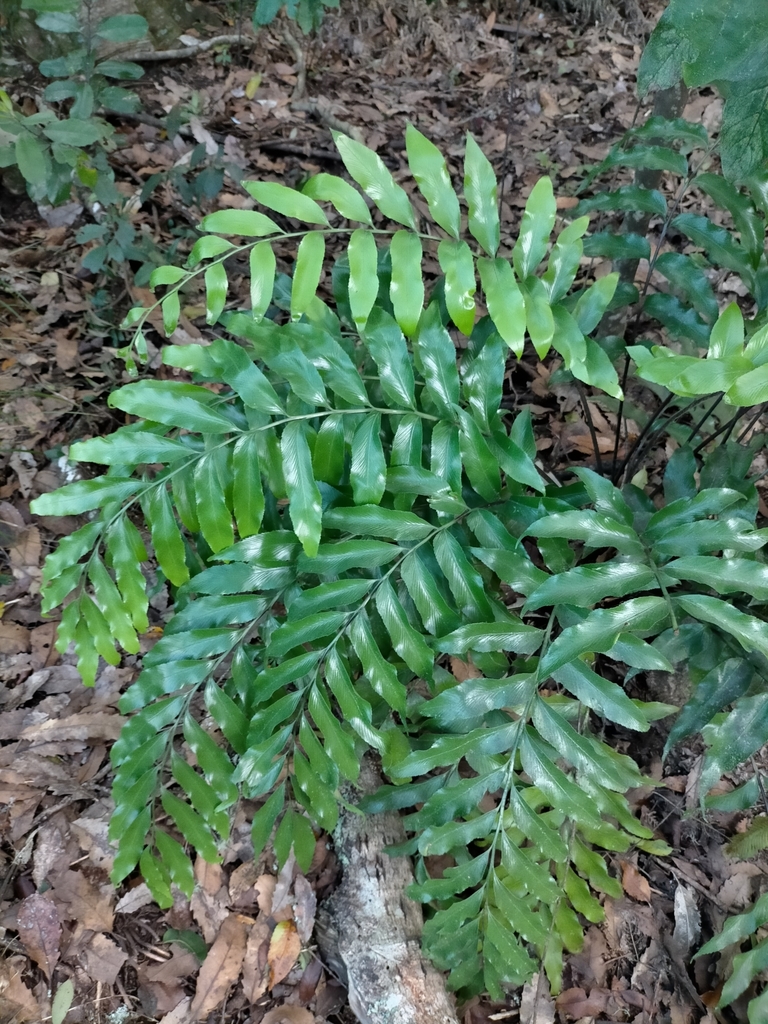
635, 884
221, 968
40, 930
284, 949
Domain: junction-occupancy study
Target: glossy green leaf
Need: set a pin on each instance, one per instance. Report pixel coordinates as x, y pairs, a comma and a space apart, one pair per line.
307, 271
600, 630
593, 303
363, 275
483, 381
191, 826
406, 289
720, 687
368, 468
554, 783
458, 265
587, 585
538, 315
248, 494
685, 275
333, 559
564, 259
347, 200
248, 223
216, 285
535, 229
594, 528
376, 668
173, 403
719, 244
505, 301
206, 248
605, 698
385, 341
431, 602
262, 268
407, 641
751, 632
212, 512
305, 502
166, 538
492, 636
428, 167
124, 448
368, 170
330, 447
264, 819
480, 190
375, 521
479, 463
437, 359
286, 201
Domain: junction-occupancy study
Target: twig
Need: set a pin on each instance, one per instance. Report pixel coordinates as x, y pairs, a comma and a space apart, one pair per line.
321, 108
301, 65
143, 56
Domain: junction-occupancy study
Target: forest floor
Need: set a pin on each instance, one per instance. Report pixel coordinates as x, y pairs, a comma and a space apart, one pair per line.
550, 101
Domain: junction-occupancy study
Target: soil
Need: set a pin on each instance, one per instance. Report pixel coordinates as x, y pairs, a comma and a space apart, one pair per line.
545, 96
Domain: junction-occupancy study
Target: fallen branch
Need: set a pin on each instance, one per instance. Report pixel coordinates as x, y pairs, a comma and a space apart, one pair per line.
370, 932
187, 51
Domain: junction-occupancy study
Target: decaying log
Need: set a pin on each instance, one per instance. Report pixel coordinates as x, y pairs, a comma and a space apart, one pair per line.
371, 932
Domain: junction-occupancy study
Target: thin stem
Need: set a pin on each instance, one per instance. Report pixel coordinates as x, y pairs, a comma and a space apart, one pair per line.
591, 425
751, 423
646, 429
695, 429
721, 430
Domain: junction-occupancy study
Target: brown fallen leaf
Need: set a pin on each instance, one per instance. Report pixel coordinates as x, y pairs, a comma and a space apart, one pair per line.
221, 968
101, 725
102, 959
635, 884
255, 973
575, 1003
288, 1014
284, 949
16, 999
305, 905
40, 930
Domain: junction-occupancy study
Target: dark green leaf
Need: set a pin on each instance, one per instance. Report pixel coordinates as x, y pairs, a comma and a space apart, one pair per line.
173, 403
385, 342
306, 505
375, 521
437, 358
492, 636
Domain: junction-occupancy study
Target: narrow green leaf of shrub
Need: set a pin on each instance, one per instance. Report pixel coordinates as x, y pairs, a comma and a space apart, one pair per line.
282, 355
458, 265
293, 634
303, 493
216, 285
588, 585
172, 403
745, 218
535, 877
30, 158
329, 358
363, 275
327, 596
334, 559
483, 380
248, 494
171, 307
385, 341
506, 305
428, 167
111, 604
228, 716
166, 538
347, 200
513, 460
684, 274
99, 637
464, 581
238, 370
330, 447
600, 630
535, 229
262, 268
166, 275
437, 356
191, 826
338, 743
628, 197
157, 878
480, 190
605, 698
70, 550
748, 630
719, 244
208, 247
594, 528
406, 289
725, 575
746, 968
376, 669
593, 303
564, 259
213, 761
720, 687
750, 388
727, 337
419, 578
264, 819
200, 794
129, 449
285, 200
534, 827
538, 315
212, 512
368, 467
554, 783
307, 271
248, 223
737, 928
492, 636
480, 465
408, 643
476, 697
131, 846
368, 170
374, 521
611, 246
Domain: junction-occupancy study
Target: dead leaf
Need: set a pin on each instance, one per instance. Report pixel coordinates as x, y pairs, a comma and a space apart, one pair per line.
134, 899
85, 902
221, 968
102, 959
98, 725
288, 1014
536, 1004
577, 1004
308, 982
463, 670
265, 890
40, 930
304, 908
635, 884
14, 639
284, 949
17, 1000
179, 1014
549, 107
255, 974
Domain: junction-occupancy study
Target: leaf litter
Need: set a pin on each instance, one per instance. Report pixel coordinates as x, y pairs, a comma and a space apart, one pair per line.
243, 945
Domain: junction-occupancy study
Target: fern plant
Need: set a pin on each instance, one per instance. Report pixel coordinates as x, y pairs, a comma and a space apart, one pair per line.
340, 507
